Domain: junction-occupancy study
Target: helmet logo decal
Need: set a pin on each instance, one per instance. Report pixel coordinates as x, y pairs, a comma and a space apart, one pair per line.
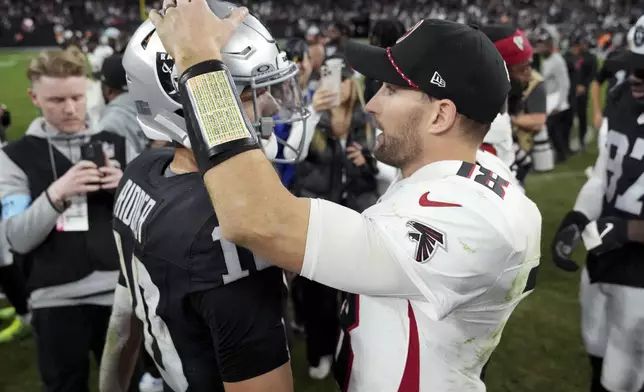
638, 37
262, 69
167, 75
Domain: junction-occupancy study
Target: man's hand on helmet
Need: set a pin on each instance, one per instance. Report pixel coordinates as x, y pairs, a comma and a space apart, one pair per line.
192, 33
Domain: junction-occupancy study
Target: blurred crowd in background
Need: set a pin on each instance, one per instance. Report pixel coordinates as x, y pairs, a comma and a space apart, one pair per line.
42, 23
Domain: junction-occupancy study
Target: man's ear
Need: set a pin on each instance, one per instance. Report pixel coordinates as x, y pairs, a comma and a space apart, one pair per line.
444, 116
34, 97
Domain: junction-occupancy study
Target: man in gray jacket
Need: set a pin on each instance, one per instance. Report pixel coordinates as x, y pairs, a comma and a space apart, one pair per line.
56, 188
119, 116
555, 74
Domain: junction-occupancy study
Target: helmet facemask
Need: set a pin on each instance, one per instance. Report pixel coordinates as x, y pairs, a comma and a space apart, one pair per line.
277, 101
256, 65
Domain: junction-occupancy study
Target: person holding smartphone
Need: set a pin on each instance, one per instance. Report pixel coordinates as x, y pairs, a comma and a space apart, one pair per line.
339, 167
57, 189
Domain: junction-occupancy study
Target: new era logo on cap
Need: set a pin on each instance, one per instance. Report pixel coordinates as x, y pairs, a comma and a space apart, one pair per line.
438, 80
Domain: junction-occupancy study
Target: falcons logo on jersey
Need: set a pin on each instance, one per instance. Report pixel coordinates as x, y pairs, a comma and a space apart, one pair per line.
427, 239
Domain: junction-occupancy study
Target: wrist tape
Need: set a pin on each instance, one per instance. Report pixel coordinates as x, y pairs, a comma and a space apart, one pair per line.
217, 123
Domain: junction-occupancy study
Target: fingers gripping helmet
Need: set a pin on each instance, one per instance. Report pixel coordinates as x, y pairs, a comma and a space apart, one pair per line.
259, 70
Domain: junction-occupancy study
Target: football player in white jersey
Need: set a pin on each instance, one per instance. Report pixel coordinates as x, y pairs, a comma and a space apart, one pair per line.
440, 262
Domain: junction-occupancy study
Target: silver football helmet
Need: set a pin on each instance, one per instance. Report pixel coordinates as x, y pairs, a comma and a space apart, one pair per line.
258, 68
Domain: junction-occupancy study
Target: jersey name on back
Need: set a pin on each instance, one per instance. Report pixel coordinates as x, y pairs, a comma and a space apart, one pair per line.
133, 206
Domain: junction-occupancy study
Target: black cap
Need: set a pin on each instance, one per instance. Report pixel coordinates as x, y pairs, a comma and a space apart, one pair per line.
497, 32
445, 60
113, 73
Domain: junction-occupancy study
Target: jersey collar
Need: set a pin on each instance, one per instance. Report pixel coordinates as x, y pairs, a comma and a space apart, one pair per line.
436, 170
433, 171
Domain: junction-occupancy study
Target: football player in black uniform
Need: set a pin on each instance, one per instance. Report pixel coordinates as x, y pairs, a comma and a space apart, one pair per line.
209, 312
608, 218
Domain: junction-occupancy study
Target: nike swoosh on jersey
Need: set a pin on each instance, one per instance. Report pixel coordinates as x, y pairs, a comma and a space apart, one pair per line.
425, 202
607, 229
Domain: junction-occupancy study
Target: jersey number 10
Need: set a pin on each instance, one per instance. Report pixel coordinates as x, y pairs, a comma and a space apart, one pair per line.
231, 258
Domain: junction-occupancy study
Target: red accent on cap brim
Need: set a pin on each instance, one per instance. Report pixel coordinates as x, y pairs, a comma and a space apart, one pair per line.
372, 62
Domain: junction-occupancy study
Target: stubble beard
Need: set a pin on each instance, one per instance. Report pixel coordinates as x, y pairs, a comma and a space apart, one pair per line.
399, 150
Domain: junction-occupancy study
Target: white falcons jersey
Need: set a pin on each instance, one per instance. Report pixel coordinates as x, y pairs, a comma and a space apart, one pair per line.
458, 248
496, 165
484, 158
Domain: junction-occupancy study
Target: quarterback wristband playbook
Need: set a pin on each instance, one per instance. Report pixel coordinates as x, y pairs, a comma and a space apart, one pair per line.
217, 123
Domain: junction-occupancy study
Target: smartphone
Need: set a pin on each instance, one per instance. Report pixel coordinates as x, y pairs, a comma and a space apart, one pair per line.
330, 79
93, 152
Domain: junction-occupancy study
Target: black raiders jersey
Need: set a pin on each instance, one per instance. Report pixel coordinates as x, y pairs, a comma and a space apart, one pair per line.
211, 311
611, 71
624, 192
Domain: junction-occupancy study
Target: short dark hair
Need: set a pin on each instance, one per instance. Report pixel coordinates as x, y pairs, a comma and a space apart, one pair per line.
471, 128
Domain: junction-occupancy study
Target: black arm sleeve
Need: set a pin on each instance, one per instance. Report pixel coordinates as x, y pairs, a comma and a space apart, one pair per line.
245, 321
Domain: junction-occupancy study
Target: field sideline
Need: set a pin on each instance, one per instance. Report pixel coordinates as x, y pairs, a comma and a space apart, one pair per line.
541, 348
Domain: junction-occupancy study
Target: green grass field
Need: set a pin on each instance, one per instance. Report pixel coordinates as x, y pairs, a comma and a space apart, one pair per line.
541, 348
